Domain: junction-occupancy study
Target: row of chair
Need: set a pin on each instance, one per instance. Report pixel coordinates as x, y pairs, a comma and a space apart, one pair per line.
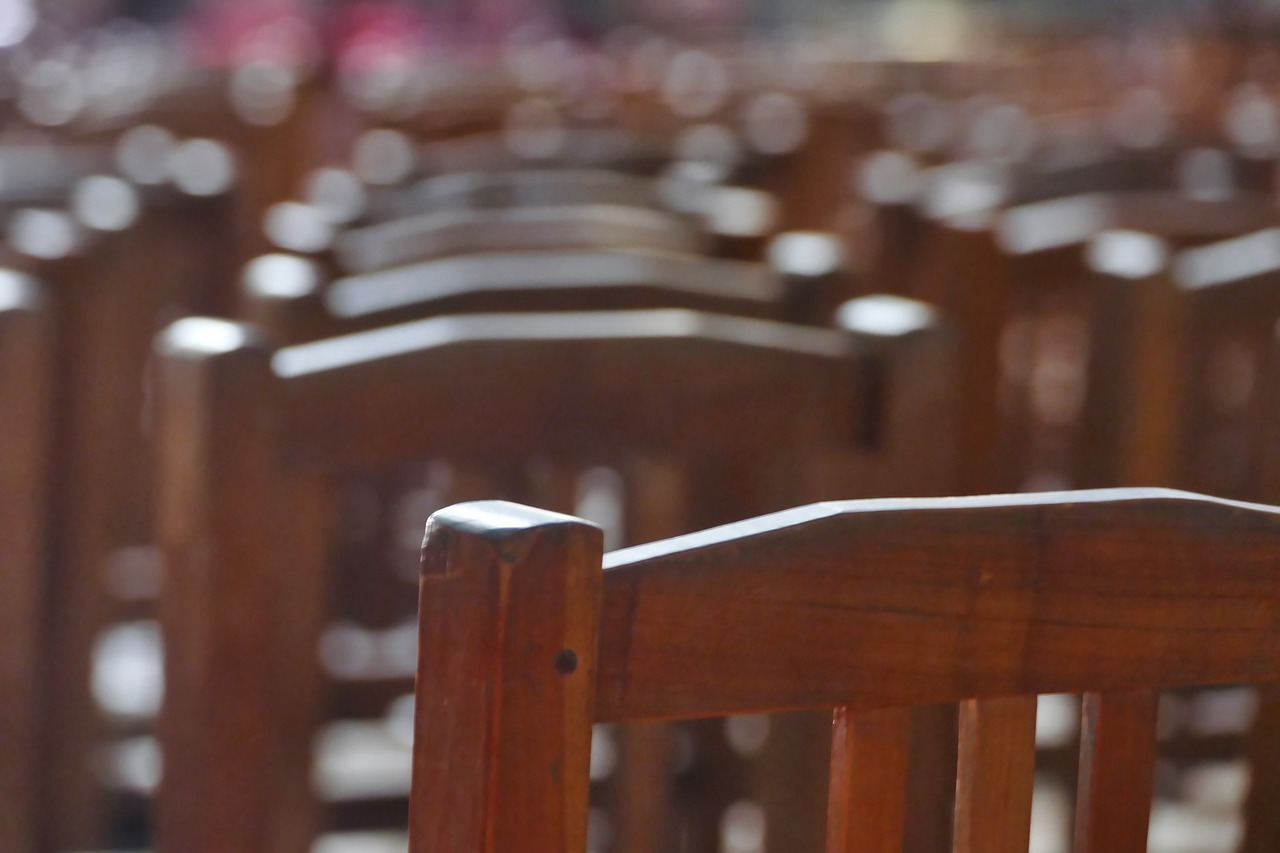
679, 382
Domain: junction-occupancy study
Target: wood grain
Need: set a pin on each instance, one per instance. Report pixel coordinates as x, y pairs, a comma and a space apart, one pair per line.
866, 809
908, 602
1117, 769
509, 610
995, 775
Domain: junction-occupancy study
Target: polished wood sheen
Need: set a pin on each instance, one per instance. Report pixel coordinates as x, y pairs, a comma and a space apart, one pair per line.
26, 371
1117, 768
870, 756
524, 669
253, 443
873, 606
1038, 594
995, 775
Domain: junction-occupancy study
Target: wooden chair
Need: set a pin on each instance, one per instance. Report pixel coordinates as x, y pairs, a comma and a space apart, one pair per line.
107, 292
289, 299
1004, 272
26, 396
252, 443
1184, 382
869, 608
450, 233
527, 188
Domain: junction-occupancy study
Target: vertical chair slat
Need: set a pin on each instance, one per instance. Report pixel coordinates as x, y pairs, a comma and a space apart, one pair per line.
995, 775
1117, 768
866, 806
644, 786
26, 354
1262, 817
506, 681
655, 507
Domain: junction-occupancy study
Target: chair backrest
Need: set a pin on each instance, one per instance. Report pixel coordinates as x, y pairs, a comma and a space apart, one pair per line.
1182, 374
250, 442
1028, 272
289, 299
109, 287
868, 608
26, 374
418, 238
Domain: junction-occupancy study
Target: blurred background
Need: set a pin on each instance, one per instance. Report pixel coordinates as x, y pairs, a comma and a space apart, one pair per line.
754, 252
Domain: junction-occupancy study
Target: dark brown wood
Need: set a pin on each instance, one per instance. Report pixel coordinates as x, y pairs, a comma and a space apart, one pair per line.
290, 298
910, 371
990, 613
431, 235
656, 504
1117, 769
1118, 592
26, 376
1131, 430
510, 609
995, 774
390, 392
869, 764
955, 259
1262, 820
229, 704
110, 292
566, 388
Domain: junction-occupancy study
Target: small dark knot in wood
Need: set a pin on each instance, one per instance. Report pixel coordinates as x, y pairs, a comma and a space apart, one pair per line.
566, 662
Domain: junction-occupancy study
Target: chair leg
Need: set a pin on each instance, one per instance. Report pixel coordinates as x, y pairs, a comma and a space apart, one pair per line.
1262, 818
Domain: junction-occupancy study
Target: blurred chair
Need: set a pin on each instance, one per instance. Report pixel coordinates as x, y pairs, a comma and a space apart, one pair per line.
117, 262
27, 355
289, 299
252, 443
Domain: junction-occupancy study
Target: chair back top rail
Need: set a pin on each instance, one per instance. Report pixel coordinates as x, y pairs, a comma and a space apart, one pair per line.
415, 238
898, 602
370, 395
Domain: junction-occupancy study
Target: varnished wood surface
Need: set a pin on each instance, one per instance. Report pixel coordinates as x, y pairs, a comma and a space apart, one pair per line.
220, 704
26, 373
866, 812
569, 387
1117, 771
1262, 826
1117, 592
524, 669
546, 369
109, 296
1104, 592
1008, 595
995, 774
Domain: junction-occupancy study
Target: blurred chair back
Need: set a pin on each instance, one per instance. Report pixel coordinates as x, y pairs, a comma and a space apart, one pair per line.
706, 418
